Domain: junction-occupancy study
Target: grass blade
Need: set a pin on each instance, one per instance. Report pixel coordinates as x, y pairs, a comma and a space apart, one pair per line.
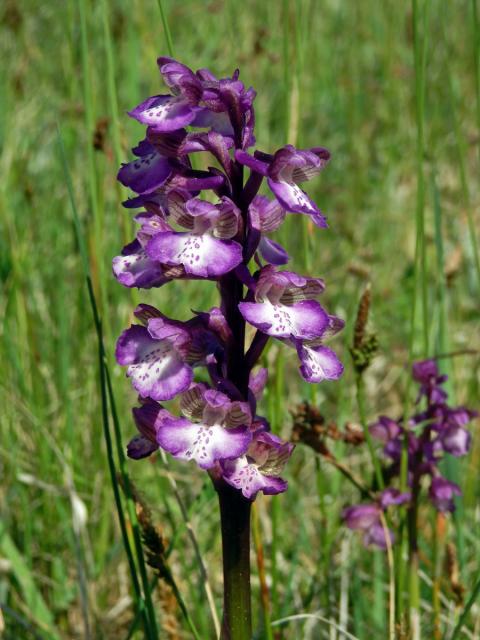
36, 605
466, 611
150, 625
166, 28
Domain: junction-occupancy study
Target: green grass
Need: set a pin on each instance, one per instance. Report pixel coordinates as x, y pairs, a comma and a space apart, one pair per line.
338, 74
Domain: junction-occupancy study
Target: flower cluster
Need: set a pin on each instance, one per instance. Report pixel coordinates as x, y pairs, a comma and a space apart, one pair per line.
432, 432
212, 224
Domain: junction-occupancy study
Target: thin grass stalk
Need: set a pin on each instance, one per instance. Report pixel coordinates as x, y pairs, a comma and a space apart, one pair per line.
452, 465
463, 618
462, 146
98, 225
275, 412
98, 218
264, 592
166, 28
113, 103
183, 607
476, 57
195, 545
180, 601
334, 627
420, 56
81, 568
419, 23
301, 41
149, 628
136, 620
137, 536
286, 65
379, 605
391, 581
438, 543
360, 388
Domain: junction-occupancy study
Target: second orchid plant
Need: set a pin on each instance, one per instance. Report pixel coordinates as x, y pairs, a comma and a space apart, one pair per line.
213, 225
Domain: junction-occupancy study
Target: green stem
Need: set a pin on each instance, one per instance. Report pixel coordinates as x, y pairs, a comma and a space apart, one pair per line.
264, 591
468, 606
437, 574
414, 583
235, 521
419, 20
420, 48
166, 29
363, 420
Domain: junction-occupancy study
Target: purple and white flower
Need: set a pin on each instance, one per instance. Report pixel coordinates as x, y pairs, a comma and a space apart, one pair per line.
207, 250
187, 233
442, 493
148, 172
284, 306
285, 170
156, 358
366, 518
212, 427
259, 469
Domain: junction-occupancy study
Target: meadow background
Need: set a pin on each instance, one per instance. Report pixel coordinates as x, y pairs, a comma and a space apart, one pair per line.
405, 138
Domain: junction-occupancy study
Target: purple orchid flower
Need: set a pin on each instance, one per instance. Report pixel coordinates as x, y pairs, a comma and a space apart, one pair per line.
148, 172
366, 518
442, 493
207, 250
259, 469
267, 216
284, 171
285, 307
135, 269
432, 432
213, 427
156, 358
211, 224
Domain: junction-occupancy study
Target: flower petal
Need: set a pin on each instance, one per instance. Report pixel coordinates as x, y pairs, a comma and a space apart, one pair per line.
192, 402
292, 197
200, 255
456, 440
164, 113
140, 447
305, 319
272, 251
258, 381
377, 536
155, 366
269, 212
252, 163
202, 443
361, 516
318, 363
247, 477
145, 174
442, 493
135, 269
298, 165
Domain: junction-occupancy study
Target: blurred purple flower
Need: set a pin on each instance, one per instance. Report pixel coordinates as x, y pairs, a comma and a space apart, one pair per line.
432, 432
442, 493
